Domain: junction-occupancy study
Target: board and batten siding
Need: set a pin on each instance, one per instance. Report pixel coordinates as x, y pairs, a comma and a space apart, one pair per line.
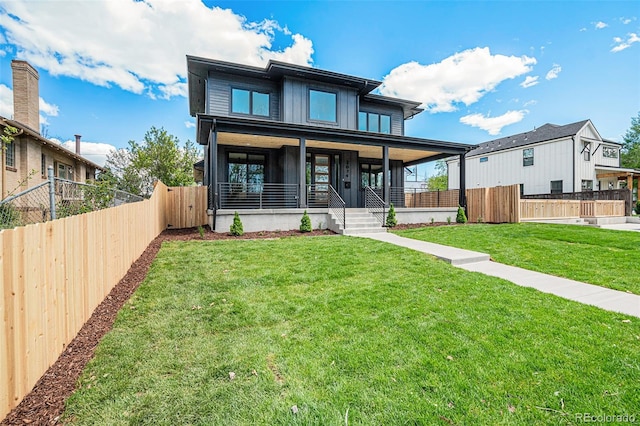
295, 108
551, 162
397, 116
219, 88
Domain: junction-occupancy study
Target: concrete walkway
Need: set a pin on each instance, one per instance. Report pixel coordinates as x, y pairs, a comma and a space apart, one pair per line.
611, 300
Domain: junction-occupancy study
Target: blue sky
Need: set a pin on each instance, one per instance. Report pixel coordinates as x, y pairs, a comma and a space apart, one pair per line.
109, 70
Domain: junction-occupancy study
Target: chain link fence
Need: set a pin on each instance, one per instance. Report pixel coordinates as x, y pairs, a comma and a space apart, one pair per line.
58, 198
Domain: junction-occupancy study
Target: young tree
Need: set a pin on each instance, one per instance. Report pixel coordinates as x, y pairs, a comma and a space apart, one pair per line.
630, 155
158, 157
439, 181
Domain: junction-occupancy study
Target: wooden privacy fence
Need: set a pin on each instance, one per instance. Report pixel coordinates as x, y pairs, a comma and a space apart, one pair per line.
54, 275
187, 206
548, 209
499, 204
602, 208
429, 199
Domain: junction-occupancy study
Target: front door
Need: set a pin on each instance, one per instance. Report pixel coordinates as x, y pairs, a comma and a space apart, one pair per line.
322, 171
370, 175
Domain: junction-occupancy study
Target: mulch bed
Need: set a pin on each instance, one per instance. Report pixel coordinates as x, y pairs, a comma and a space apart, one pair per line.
45, 403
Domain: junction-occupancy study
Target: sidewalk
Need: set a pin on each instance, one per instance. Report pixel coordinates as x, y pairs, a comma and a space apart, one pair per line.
611, 300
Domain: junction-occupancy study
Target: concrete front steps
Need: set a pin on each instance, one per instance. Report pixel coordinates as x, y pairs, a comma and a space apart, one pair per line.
359, 221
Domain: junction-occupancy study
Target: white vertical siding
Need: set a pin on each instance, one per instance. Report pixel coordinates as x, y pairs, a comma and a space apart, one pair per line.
551, 161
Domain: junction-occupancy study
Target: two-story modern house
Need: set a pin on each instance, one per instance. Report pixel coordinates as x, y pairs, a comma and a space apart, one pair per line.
548, 160
285, 137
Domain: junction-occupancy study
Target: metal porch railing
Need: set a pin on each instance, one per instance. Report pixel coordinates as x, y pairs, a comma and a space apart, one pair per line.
375, 205
338, 207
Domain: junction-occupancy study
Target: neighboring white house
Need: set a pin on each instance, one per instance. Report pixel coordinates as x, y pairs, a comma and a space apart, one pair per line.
549, 159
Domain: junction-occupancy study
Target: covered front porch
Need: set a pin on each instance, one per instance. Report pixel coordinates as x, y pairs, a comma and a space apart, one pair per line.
255, 164
619, 178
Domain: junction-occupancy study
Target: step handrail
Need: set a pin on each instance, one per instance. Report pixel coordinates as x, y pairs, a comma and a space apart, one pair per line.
337, 206
374, 204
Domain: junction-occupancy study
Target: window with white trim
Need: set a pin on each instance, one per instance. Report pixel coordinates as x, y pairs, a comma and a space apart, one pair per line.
609, 152
527, 157
586, 151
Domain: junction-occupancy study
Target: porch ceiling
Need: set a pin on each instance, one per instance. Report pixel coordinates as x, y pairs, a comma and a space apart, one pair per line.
364, 151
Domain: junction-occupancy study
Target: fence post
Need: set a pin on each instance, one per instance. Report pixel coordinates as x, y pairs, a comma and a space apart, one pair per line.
52, 192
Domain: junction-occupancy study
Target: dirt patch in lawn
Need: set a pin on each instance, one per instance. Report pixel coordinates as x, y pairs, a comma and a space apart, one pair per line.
45, 403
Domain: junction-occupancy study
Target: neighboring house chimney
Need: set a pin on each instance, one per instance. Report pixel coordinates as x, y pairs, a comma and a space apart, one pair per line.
26, 99
78, 144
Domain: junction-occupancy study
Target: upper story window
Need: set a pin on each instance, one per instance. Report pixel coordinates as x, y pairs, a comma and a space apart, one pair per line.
65, 171
373, 122
527, 157
587, 185
323, 106
249, 102
586, 150
609, 152
484, 159
10, 154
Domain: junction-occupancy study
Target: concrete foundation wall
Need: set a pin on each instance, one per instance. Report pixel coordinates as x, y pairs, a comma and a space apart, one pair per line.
288, 219
268, 220
424, 215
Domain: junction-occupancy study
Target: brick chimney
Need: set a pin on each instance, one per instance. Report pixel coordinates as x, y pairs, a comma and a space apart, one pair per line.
26, 99
78, 144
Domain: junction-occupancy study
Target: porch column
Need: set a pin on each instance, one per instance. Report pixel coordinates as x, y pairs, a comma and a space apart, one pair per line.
302, 177
630, 186
213, 169
462, 196
386, 185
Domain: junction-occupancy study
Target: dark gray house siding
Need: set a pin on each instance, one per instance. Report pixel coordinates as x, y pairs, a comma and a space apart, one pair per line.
295, 105
397, 119
219, 87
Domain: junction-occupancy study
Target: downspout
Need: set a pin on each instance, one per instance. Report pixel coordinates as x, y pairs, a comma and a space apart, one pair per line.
573, 159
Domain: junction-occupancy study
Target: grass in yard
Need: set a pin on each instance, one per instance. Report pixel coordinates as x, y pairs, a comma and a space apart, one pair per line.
350, 331
598, 256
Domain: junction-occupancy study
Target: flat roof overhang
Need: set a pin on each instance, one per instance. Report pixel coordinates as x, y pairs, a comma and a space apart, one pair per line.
603, 172
271, 134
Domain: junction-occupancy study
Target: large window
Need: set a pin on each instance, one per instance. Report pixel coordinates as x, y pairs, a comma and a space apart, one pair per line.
249, 102
587, 185
609, 152
372, 122
322, 106
527, 157
586, 150
556, 187
10, 154
247, 171
371, 175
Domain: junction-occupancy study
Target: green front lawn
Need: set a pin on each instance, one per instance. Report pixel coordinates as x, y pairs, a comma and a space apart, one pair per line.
350, 331
592, 255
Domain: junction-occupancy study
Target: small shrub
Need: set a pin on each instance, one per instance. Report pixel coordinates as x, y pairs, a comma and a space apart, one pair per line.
391, 217
236, 227
448, 220
638, 207
480, 219
9, 216
432, 220
461, 216
201, 232
305, 223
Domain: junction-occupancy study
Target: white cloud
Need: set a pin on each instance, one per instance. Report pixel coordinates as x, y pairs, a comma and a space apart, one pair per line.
140, 46
493, 125
92, 151
48, 109
6, 105
623, 44
189, 124
583, 29
627, 21
529, 81
464, 77
553, 72
530, 103
6, 101
600, 25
